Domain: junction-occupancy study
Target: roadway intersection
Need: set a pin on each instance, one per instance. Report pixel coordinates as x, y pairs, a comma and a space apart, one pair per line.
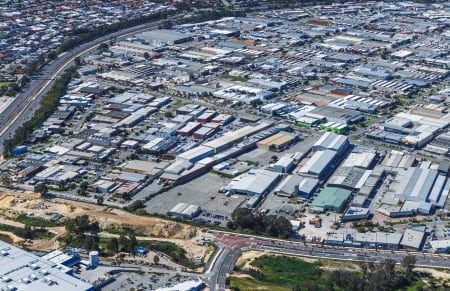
231, 245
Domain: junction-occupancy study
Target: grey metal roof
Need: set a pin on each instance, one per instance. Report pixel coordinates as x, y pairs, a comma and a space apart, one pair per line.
22, 270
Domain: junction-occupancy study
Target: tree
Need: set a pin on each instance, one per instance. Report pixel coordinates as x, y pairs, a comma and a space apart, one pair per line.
407, 265
280, 227
41, 188
131, 244
156, 259
146, 55
28, 232
113, 245
80, 225
103, 47
83, 187
100, 201
77, 61
6, 181
133, 207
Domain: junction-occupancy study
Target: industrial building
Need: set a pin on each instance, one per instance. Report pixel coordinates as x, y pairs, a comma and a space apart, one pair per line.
196, 154
289, 186
185, 210
413, 239
440, 246
335, 127
221, 143
254, 182
381, 240
415, 184
161, 37
335, 114
21, 270
307, 187
148, 168
58, 175
287, 162
351, 178
331, 141
364, 160
319, 165
295, 185
331, 198
355, 213
278, 142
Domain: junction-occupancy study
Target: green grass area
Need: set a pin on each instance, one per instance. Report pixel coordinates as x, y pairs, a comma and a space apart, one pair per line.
249, 284
5, 84
272, 272
27, 233
286, 270
37, 221
236, 78
123, 231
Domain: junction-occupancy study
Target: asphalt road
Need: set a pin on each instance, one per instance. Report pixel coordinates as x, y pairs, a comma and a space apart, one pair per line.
233, 244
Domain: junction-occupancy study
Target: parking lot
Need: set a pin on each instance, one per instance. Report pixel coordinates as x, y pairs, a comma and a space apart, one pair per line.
216, 206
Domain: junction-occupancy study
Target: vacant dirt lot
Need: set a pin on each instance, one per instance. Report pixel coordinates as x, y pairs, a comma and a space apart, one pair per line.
13, 203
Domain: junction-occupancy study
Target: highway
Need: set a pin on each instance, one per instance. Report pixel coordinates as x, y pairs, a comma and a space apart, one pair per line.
231, 245
27, 102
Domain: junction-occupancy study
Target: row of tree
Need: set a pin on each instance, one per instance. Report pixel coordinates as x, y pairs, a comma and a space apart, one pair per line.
48, 105
122, 244
244, 219
372, 277
82, 233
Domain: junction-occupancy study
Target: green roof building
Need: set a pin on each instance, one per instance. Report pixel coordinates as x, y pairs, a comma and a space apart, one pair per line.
331, 198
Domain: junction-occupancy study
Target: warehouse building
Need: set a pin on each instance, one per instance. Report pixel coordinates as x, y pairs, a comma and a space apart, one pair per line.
331, 198
319, 165
58, 175
335, 127
394, 211
185, 210
415, 184
161, 37
206, 116
284, 165
306, 121
355, 213
189, 128
254, 182
204, 132
225, 141
307, 186
289, 186
413, 239
351, 178
440, 246
364, 160
334, 114
22, 270
148, 168
196, 154
278, 142
160, 145
331, 141
376, 240
287, 162
223, 119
